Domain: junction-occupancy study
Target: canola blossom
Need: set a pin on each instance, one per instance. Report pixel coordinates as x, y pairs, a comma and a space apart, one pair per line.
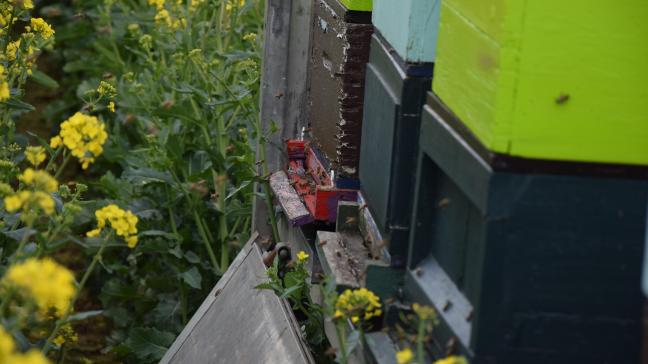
358, 303
302, 256
24, 4
404, 356
9, 355
38, 180
84, 135
452, 360
124, 223
40, 26
35, 155
50, 285
38, 185
234, 3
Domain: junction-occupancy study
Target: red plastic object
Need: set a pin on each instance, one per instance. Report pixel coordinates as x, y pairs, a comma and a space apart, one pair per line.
313, 182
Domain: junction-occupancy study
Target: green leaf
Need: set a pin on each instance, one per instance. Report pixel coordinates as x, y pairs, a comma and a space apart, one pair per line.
144, 176
192, 277
80, 316
16, 104
43, 79
149, 343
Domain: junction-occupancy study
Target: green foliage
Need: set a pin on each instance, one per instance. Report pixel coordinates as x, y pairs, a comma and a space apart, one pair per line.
179, 155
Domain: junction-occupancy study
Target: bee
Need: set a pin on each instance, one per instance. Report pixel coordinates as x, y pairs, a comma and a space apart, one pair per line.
279, 94
443, 203
562, 98
323, 242
418, 272
447, 306
469, 315
351, 220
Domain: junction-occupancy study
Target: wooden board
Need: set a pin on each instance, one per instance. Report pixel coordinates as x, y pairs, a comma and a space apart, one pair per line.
548, 79
410, 26
292, 205
342, 256
238, 323
284, 84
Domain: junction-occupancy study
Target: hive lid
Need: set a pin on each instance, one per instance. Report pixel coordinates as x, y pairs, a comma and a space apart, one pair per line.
238, 323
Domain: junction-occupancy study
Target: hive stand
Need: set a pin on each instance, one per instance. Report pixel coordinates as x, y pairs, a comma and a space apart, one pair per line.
525, 266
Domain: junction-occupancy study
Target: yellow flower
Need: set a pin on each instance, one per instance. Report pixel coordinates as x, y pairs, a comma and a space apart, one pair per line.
106, 89
7, 345
84, 136
12, 50
194, 4
231, 3
404, 356
159, 4
124, 223
452, 360
28, 200
33, 356
424, 312
48, 283
111, 106
38, 180
35, 155
4, 91
25, 4
302, 256
66, 334
56, 142
251, 37
358, 303
40, 26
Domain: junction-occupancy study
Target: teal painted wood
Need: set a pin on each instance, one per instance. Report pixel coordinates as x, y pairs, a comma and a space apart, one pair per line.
410, 26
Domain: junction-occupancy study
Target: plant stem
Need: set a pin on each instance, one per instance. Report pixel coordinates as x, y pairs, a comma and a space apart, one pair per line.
84, 279
339, 331
266, 186
22, 243
62, 167
419, 341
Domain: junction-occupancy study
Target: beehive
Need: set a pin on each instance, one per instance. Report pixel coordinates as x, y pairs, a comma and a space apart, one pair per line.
358, 5
548, 79
525, 267
409, 26
340, 51
392, 117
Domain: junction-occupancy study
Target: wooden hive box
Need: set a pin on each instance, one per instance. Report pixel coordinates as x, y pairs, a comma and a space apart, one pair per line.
394, 97
409, 26
541, 267
340, 50
548, 79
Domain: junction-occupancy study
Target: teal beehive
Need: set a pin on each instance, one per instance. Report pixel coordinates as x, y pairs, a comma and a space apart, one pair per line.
409, 26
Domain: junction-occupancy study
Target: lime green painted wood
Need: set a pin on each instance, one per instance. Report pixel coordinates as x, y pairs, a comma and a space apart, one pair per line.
548, 79
359, 5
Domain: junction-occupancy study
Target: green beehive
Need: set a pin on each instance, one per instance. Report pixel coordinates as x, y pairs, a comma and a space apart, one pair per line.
358, 5
548, 79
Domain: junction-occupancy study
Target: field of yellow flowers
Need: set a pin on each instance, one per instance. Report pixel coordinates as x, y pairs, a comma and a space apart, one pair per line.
126, 168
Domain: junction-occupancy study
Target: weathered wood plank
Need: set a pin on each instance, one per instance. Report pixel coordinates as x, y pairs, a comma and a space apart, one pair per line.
238, 323
284, 84
292, 205
343, 256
